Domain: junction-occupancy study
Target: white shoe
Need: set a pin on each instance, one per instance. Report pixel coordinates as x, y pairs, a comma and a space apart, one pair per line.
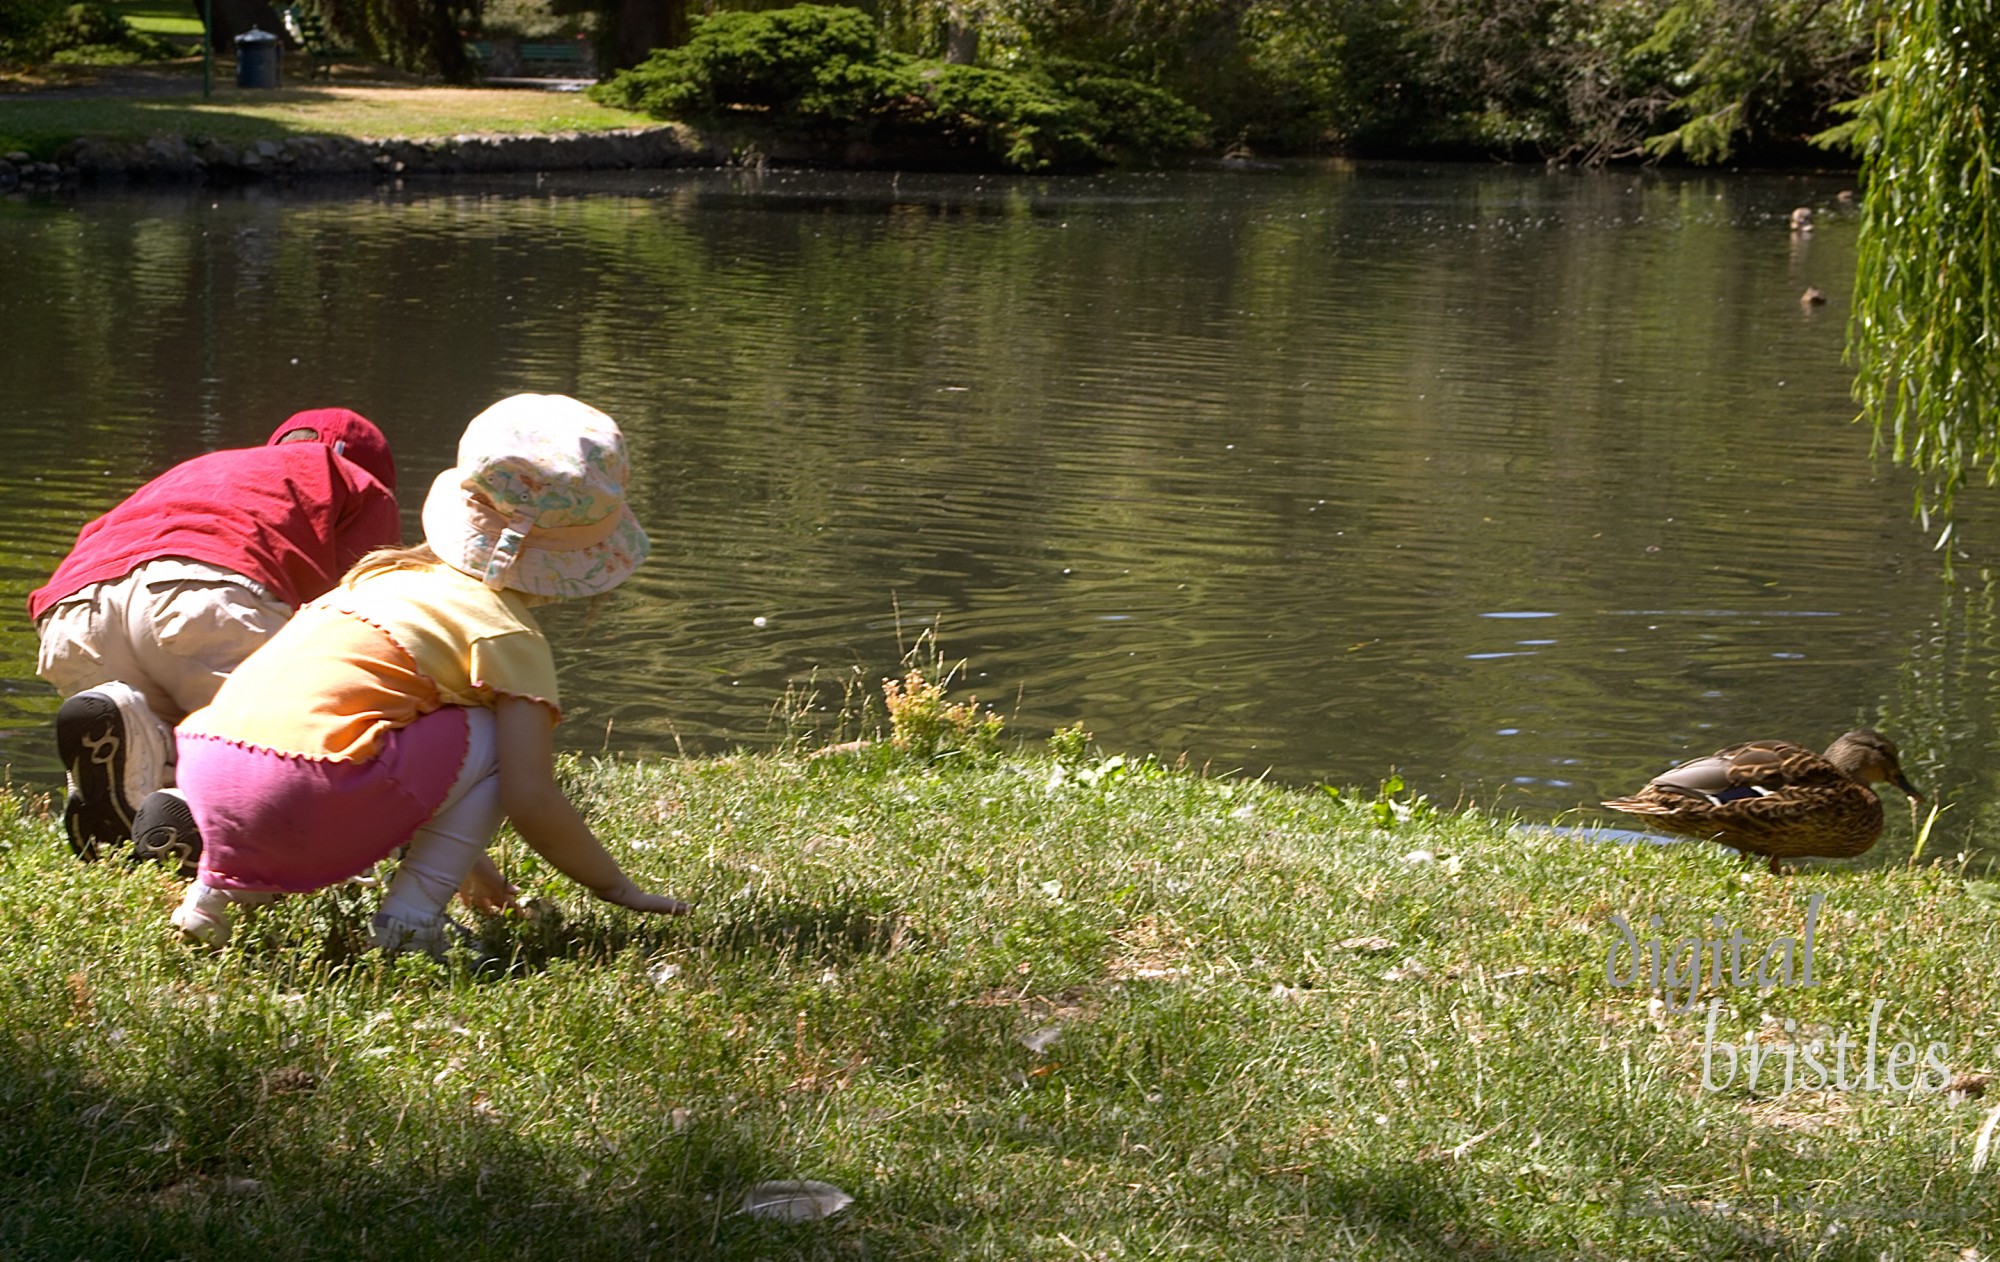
391, 934
203, 916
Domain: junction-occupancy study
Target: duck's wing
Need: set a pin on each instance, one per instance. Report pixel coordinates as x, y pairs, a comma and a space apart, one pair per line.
1750, 770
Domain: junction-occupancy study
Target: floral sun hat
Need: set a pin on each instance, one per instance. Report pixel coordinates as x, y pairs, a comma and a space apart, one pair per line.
536, 501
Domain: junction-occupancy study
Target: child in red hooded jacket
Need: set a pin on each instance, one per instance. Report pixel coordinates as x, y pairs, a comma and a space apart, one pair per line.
167, 593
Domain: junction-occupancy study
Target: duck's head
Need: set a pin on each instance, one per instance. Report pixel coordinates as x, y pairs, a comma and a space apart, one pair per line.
1869, 756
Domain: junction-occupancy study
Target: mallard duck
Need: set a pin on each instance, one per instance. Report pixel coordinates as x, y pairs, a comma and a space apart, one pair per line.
1777, 799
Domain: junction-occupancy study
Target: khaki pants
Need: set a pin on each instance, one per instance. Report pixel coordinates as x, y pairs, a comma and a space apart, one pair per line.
172, 628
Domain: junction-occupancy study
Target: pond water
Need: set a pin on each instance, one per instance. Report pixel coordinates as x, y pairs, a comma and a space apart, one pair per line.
1520, 484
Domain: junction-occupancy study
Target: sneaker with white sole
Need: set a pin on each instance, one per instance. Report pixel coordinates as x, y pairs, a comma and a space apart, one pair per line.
164, 831
115, 751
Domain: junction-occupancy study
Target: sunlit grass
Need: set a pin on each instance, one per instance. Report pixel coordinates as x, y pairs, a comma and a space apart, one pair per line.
418, 113
369, 113
1017, 1009
160, 17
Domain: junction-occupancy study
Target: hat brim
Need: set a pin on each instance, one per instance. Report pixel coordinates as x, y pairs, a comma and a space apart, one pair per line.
563, 575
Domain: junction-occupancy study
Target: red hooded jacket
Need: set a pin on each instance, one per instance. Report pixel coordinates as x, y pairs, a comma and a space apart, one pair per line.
293, 516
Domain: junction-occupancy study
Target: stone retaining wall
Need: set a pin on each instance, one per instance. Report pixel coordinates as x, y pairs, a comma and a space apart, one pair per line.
172, 159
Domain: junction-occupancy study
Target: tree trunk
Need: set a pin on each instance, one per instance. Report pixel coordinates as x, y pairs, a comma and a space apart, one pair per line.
640, 26
961, 37
447, 44
230, 18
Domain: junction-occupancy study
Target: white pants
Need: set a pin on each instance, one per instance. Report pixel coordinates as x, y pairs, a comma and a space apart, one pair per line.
444, 849
173, 629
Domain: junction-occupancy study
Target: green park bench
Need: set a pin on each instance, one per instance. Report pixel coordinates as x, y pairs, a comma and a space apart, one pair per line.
551, 59
310, 30
568, 59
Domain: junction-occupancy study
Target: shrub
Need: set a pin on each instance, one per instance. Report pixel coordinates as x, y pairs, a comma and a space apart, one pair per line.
1070, 746
922, 724
1129, 114
81, 25
1019, 119
21, 21
88, 34
97, 55
819, 68
814, 63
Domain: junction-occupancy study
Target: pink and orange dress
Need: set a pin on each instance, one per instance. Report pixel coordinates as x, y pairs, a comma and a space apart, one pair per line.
334, 742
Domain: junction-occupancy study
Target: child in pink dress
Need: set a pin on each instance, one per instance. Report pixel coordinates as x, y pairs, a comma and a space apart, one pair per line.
415, 704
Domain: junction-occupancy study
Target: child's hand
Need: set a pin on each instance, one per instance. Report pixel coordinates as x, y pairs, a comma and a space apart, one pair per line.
485, 890
628, 894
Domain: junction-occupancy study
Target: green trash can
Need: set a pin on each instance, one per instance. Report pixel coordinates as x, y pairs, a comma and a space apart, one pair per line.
257, 59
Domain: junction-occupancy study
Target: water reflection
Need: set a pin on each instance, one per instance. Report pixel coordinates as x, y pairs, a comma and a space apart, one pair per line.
1521, 484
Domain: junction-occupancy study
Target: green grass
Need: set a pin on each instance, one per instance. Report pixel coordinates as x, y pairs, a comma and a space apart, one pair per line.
165, 18
1018, 1010
43, 126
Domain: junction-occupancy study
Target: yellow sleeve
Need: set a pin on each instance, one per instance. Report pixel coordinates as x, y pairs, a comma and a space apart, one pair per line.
518, 664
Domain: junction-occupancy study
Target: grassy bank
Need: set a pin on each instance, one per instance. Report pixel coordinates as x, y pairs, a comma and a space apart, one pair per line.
1029, 1009
42, 124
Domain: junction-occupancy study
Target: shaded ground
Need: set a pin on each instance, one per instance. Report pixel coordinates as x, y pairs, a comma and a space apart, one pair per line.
183, 78
173, 78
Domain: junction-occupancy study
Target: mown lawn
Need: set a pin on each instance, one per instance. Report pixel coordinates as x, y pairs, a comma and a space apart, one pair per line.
41, 125
176, 19
1023, 1009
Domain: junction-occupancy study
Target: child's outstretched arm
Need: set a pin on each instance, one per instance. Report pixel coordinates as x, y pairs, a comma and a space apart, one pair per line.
545, 818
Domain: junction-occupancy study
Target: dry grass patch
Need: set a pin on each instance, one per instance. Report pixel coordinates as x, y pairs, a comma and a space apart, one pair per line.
1147, 951
381, 113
